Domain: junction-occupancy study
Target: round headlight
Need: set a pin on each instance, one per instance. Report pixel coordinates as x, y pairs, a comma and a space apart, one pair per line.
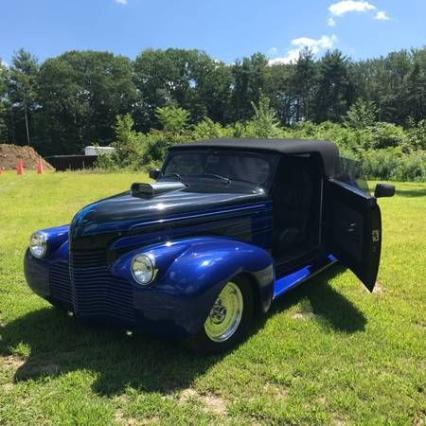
38, 244
143, 268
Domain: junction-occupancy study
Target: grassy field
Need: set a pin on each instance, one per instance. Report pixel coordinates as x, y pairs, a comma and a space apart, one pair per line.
329, 352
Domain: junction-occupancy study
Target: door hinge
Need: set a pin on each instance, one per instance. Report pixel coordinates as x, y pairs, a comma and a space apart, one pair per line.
375, 235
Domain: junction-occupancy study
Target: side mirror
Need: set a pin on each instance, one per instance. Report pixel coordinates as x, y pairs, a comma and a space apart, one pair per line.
154, 173
384, 190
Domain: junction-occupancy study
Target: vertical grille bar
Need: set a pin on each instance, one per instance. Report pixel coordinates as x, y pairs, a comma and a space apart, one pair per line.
95, 292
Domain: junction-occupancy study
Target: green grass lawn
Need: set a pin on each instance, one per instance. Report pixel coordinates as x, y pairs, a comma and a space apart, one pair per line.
329, 352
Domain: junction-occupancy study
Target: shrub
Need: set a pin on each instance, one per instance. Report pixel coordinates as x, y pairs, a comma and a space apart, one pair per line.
385, 150
361, 114
129, 144
208, 129
386, 135
156, 144
106, 162
264, 123
173, 119
380, 164
416, 134
394, 164
411, 167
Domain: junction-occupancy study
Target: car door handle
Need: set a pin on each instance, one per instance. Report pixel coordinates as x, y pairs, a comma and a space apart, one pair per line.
352, 227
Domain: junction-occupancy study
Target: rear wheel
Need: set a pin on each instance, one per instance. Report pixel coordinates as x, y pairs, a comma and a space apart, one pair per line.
229, 320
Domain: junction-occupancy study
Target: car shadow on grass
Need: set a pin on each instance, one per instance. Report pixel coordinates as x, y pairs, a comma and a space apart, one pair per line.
321, 302
59, 345
411, 193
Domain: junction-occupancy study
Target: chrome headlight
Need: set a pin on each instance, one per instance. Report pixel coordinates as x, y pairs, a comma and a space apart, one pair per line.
38, 244
143, 268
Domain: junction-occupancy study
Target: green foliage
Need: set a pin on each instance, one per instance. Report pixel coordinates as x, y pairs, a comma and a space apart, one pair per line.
174, 120
393, 164
385, 150
264, 123
186, 78
208, 129
386, 135
129, 145
3, 103
74, 98
416, 134
23, 89
361, 114
304, 85
156, 143
249, 81
81, 94
336, 90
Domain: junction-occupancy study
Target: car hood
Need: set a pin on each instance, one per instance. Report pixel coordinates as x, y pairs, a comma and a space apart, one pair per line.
125, 212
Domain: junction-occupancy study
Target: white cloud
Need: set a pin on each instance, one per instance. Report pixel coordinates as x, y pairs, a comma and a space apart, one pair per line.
272, 51
331, 22
124, 2
292, 56
381, 15
315, 45
341, 8
347, 6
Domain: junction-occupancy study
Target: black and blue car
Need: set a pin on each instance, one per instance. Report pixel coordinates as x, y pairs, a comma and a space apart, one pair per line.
227, 227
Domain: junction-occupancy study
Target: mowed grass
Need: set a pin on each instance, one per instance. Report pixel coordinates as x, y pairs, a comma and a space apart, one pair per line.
329, 352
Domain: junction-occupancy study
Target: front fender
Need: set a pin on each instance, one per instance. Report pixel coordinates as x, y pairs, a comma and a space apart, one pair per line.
192, 271
36, 271
209, 263
56, 237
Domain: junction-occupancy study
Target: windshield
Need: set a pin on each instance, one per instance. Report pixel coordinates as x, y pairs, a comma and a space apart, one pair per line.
225, 165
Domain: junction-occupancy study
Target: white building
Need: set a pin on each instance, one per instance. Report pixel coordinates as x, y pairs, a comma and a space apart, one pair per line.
98, 150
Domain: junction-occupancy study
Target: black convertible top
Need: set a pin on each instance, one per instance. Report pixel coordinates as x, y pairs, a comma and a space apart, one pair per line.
327, 150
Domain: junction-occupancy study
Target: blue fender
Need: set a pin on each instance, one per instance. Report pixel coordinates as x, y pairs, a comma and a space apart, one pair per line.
36, 271
56, 237
191, 274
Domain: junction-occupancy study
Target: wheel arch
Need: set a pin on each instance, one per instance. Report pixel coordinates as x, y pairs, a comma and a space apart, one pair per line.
262, 299
221, 260
192, 272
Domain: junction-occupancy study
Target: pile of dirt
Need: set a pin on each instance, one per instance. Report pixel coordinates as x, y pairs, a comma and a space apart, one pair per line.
11, 154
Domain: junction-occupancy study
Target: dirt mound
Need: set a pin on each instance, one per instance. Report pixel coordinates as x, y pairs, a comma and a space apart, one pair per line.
10, 154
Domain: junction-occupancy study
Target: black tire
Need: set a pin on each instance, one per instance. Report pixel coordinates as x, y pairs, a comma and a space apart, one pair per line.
202, 344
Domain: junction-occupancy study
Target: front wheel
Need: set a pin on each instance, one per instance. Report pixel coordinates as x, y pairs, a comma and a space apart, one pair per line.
229, 320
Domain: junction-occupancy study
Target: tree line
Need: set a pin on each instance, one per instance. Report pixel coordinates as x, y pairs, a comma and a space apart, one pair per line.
72, 100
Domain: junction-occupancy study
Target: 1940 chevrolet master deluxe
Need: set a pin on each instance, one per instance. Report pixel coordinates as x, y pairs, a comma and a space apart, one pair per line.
227, 227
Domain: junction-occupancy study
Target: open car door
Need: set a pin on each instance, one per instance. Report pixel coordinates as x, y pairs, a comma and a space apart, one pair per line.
354, 229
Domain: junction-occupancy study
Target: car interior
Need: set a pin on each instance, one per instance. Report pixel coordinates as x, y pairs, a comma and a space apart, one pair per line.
296, 196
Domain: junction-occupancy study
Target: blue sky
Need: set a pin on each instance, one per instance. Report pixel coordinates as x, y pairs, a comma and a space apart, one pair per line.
225, 29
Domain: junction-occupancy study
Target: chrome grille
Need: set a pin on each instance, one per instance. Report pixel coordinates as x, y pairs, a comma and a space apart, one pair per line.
96, 293
87, 284
60, 283
88, 258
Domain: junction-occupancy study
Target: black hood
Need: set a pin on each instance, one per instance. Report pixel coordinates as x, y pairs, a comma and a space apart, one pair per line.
126, 212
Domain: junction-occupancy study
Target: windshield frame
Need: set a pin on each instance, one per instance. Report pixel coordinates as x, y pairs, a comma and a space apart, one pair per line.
271, 157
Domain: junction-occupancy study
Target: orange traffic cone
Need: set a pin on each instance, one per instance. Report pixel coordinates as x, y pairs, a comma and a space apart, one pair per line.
20, 167
40, 167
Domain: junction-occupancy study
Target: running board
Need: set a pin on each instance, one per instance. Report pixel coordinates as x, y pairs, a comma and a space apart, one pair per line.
286, 283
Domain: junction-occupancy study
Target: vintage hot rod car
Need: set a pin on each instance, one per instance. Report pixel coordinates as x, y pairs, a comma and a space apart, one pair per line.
227, 227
